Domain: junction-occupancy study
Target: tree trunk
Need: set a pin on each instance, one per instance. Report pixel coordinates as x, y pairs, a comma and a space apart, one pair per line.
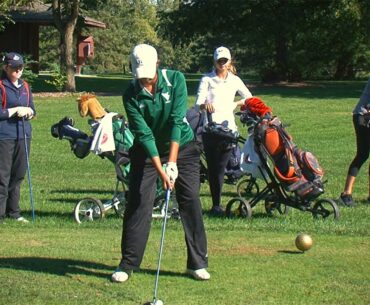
69, 63
281, 57
66, 30
344, 67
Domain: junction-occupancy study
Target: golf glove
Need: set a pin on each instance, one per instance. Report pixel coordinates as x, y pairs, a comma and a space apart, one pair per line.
25, 112
12, 111
171, 171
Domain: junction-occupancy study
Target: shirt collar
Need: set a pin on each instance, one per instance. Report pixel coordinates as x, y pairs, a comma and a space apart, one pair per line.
139, 90
215, 77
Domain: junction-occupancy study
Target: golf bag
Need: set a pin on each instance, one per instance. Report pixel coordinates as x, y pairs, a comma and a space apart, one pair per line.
228, 139
298, 171
233, 171
81, 143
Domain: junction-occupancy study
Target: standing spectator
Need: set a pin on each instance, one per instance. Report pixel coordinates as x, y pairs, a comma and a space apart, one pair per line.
361, 123
156, 103
17, 110
216, 94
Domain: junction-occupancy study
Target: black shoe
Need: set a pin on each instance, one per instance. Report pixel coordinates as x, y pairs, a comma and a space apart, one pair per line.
346, 199
217, 211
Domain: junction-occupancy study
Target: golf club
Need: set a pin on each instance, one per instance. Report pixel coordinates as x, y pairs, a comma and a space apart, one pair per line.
156, 301
28, 171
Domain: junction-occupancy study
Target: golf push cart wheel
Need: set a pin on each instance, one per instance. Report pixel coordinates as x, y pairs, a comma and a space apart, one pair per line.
88, 209
274, 208
247, 188
238, 207
119, 199
325, 208
159, 207
119, 204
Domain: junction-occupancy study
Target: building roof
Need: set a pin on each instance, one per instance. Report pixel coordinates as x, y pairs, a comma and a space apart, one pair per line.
40, 13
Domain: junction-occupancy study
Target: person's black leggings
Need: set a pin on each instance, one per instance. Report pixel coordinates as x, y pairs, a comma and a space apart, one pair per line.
363, 147
217, 159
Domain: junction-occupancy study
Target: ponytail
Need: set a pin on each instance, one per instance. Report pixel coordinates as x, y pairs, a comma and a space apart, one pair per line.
232, 68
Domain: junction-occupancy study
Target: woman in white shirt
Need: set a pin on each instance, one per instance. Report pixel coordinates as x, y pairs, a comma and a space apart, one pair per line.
216, 95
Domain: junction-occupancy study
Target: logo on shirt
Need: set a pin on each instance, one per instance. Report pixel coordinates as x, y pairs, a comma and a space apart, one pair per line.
166, 96
142, 105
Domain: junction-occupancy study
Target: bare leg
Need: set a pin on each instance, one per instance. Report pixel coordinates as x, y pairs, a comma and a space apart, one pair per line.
349, 185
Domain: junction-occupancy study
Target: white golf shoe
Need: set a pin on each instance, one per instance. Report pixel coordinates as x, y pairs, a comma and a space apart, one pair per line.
120, 276
22, 219
199, 274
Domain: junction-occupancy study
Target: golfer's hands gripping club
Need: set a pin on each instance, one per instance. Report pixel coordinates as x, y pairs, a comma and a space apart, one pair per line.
21, 112
13, 111
171, 171
167, 184
208, 107
25, 112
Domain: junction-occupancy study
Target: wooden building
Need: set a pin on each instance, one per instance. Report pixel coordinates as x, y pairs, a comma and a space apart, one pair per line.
22, 36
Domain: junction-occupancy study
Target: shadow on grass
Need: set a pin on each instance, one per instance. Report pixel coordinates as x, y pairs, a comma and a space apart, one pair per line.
163, 272
45, 214
57, 266
82, 191
67, 267
76, 200
290, 252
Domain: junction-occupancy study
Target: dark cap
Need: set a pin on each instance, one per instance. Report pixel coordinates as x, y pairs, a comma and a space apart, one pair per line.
13, 59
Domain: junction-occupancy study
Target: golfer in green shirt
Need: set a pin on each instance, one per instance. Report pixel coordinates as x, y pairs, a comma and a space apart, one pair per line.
156, 104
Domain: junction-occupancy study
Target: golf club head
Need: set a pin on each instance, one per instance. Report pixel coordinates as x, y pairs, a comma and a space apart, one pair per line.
155, 302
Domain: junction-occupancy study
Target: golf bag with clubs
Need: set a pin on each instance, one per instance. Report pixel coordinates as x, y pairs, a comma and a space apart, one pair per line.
293, 177
201, 123
82, 144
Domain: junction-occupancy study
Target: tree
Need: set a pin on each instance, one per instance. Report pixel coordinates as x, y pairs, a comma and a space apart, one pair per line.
280, 39
65, 15
5, 7
128, 23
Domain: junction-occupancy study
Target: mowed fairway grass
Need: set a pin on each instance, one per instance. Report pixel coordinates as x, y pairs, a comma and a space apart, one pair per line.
56, 261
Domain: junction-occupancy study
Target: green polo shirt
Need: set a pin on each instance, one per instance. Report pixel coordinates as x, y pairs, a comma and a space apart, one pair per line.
156, 120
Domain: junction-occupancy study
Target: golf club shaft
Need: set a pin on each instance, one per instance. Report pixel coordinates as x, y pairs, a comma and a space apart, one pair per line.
28, 171
167, 200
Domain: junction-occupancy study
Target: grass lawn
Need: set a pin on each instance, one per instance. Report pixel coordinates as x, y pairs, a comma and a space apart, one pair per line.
56, 261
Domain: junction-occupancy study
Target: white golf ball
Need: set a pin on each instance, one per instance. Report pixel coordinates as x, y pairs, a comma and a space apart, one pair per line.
158, 302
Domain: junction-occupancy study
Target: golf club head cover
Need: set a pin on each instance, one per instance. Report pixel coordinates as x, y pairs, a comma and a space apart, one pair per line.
88, 104
256, 106
57, 129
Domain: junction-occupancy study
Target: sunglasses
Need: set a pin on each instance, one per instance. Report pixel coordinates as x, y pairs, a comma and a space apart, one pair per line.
222, 61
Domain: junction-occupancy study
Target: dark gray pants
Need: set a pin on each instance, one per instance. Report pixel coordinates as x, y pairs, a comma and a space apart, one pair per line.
13, 167
138, 214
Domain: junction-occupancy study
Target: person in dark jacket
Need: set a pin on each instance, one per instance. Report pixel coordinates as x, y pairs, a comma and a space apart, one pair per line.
156, 103
17, 109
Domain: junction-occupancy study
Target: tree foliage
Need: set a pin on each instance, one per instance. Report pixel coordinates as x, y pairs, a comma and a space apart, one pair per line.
65, 15
5, 7
128, 23
278, 40
282, 40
